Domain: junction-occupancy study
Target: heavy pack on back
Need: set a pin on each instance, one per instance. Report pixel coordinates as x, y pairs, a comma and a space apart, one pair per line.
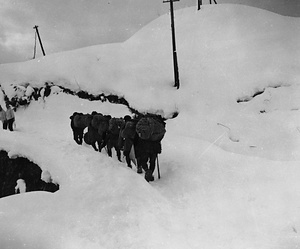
100, 123
82, 120
115, 124
129, 130
97, 119
149, 128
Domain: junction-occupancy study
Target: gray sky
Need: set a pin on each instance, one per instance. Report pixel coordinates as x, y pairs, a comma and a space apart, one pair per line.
70, 24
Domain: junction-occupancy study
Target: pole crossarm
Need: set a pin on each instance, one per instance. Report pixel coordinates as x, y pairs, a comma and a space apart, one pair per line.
171, 1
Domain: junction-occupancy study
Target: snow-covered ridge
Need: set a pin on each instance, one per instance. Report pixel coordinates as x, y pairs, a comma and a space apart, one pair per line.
209, 43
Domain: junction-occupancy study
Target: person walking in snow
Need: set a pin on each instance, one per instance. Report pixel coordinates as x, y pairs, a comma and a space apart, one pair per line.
10, 117
127, 136
150, 131
3, 118
146, 153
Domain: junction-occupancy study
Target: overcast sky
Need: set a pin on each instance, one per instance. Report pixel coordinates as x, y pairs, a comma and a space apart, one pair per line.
70, 24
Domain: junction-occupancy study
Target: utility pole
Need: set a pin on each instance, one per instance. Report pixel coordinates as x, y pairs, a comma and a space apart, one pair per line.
199, 4
176, 73
34, 48
37, 31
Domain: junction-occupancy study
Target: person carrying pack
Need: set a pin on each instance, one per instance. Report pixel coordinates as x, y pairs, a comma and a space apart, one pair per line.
150, 131
127, 136
112, 136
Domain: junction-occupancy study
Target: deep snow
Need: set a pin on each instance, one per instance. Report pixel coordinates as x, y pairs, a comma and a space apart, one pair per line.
230, 160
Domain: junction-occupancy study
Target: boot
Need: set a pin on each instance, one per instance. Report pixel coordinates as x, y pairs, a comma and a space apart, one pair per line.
148, 176
128, 161
139, 170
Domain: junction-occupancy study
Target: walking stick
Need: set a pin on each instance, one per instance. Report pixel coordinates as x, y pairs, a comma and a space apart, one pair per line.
158, 173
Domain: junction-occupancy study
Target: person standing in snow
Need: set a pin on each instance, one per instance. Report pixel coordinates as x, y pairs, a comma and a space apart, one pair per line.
10, 117
3, 118
21, 186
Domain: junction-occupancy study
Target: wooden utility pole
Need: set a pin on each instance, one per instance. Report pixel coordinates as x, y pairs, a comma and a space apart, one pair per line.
37, 31
176, 73
199, 4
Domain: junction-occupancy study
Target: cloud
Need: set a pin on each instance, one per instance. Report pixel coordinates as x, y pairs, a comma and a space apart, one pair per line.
14, 40
70, 24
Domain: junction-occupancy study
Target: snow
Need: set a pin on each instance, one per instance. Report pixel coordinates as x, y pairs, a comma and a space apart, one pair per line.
230, 160
21, 186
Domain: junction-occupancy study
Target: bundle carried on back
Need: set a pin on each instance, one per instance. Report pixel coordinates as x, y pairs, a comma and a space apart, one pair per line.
82, 120
97, 119
150, 128
115, 124
100, 123
129, 130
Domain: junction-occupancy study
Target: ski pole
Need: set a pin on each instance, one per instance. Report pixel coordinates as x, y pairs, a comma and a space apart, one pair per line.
158, 173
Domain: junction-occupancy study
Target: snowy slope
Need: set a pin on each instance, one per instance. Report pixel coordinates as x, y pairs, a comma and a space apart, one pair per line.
230, 159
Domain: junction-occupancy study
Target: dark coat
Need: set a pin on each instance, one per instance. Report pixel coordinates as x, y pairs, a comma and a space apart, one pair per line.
146, 147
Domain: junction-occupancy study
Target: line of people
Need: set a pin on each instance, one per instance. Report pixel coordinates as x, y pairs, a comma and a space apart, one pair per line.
139, 137
7, 117
145, 149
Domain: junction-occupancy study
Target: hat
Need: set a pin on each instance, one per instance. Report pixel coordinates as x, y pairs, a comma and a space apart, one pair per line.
127, 118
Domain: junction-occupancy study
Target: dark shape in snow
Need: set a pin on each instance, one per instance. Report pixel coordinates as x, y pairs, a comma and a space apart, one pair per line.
12, 170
